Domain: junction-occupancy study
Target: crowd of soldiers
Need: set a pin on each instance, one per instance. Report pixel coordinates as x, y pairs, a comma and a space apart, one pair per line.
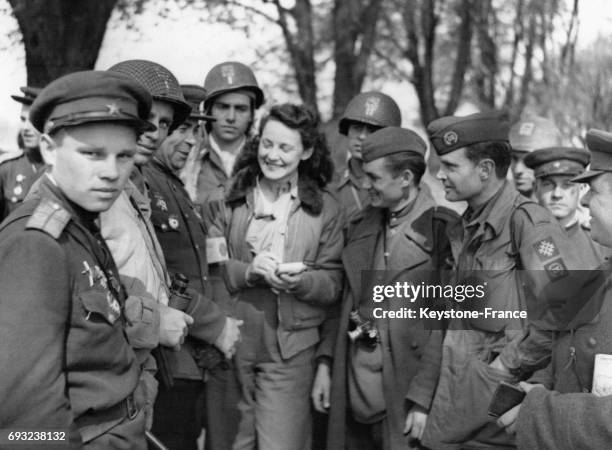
169, 275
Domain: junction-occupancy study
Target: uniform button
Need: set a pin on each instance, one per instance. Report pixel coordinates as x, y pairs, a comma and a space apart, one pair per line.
414, 345
14, 199
592, 342
205, 278
55, 206
197, 246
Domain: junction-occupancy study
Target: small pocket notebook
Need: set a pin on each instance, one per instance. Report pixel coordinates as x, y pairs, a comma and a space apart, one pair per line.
602, 375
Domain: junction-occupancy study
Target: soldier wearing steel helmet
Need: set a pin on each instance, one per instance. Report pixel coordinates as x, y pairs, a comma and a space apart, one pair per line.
365, 113
141, 258
233, 95
20, 169
526, 135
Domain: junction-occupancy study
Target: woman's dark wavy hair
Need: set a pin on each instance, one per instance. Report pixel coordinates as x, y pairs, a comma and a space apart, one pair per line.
319, 168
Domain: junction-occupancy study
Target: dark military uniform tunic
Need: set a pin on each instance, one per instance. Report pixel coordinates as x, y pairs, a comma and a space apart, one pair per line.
183, 241
65, 362
17, 174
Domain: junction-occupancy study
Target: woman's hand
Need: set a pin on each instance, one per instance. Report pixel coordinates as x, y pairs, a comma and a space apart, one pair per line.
262, 266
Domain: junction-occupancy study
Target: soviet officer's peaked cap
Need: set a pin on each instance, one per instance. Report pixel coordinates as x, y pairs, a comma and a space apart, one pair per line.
450, 133
392, 140
532, 133
600, 144
558, 161
160, 82
195, 96
29, 95
91, 96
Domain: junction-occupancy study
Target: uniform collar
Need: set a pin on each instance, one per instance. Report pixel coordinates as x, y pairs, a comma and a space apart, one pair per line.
495, 210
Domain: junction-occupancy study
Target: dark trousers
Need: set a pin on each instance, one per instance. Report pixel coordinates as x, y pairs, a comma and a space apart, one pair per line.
175, 415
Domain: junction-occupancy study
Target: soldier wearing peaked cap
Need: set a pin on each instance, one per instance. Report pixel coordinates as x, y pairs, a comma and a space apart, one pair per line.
500, 232
233, 96
554, 168
365, 113
20, 169
570, 405
402, 235
528, 134
66, 364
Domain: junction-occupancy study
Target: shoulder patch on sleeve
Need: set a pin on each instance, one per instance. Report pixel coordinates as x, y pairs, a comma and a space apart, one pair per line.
50, 217
8, 156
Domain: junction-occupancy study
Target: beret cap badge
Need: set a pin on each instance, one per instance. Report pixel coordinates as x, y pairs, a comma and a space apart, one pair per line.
450, 138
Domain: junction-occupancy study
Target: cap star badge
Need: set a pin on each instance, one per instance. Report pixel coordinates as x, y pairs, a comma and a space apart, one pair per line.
450, 138
113, 109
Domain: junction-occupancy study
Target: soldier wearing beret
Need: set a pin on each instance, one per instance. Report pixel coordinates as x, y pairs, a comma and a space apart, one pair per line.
402, 235
365, 113
567, 407
66, 363
232, 97
528, 134
20, 169
554, 168
500, 232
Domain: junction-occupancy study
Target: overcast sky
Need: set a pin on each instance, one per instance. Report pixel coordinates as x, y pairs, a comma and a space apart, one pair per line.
189, 48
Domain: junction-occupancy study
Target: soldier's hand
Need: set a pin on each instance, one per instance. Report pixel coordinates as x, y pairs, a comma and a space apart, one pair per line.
416, 419
173, 326
229, 337
321, 388
508, 419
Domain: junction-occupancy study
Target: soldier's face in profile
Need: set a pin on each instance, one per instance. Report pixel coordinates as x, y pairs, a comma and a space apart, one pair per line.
460, 176
599, 201
161, 115
234, 115
29, 134
91, 163
386, 189
523, 176
558, 195
357, 133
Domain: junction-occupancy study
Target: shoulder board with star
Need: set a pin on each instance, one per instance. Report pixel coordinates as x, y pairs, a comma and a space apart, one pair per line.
50, 217
9, 156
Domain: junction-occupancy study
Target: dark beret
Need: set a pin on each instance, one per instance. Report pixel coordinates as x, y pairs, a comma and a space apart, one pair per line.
391, 140
195, 96
600, 144
91, 96
29, 95
450, 133
558, 161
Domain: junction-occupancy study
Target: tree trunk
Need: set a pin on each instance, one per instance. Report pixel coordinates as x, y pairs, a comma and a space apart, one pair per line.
301, 48
60, 36
354, 36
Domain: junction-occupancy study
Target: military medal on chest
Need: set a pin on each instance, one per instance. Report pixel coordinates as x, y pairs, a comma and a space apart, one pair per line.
18, 189
96, 276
